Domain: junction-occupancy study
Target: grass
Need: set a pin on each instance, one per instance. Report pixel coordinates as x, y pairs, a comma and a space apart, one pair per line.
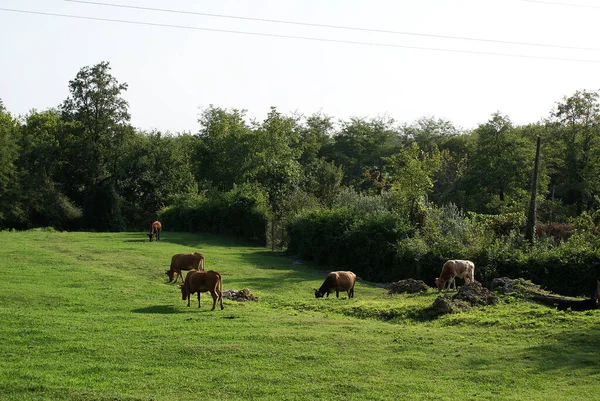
89, 316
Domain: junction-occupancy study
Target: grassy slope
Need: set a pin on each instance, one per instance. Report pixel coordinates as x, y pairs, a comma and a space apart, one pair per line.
87, 316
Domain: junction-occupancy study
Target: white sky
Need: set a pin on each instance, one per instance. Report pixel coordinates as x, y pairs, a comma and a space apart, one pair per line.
173, 72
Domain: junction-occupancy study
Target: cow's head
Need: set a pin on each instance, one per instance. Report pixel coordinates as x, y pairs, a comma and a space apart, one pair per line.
318, 294
170, 273
184, 291
150, 236
440, 283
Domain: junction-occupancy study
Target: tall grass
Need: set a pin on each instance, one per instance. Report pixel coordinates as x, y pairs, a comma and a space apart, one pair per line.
89, 316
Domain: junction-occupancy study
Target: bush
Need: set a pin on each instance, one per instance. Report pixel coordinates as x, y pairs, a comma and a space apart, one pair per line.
241, 212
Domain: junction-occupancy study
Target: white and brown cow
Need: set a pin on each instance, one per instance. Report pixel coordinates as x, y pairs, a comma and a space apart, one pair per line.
184, 261
455, 268
202, 281
337, 281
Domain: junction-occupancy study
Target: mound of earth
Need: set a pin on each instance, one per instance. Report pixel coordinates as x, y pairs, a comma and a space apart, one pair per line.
518, 285
475, 294
240, 296
409, 286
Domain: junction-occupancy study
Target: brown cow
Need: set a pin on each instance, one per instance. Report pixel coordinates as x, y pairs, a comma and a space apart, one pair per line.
202, 281
154, 230
455, 268
184, 261
337, 281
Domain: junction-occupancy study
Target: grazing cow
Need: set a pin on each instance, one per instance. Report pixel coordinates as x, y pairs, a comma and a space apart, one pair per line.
184, 261
202, 281
455, 268
154, 230
337, 281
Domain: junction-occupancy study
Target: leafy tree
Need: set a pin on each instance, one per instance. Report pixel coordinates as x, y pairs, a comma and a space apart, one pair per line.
576, 122
155, 168
361, 145
224, 153
412, 175
100, 124
500, 168
41, 163
9, 190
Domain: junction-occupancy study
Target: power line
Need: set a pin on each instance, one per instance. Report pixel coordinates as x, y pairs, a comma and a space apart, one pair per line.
556, 4
332, 26
297, 37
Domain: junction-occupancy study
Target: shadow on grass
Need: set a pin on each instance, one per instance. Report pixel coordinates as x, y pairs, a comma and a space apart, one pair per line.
136, 240
158, 309
576, 348
198, 240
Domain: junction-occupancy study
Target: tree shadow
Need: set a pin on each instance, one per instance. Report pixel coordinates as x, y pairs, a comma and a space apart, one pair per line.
576, 348
158, 309
199, 240
136, 240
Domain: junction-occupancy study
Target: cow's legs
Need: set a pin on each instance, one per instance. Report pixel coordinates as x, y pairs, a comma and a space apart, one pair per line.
337, 294
188, 300
351, 293
198, 299
214, 297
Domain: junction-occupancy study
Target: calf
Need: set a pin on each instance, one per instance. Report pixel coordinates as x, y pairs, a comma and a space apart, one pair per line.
154, 230
455, 268
184, 261
337, 281
202, 281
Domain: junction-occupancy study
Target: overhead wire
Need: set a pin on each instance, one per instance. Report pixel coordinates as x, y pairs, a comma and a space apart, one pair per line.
344, 27
555, 3
307, 38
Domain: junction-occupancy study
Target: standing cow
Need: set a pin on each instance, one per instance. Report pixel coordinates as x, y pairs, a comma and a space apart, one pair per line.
455, 268
202, 281
184, 261
154, 230
337, 281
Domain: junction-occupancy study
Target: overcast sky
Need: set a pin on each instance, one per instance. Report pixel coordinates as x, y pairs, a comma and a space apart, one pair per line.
172, 72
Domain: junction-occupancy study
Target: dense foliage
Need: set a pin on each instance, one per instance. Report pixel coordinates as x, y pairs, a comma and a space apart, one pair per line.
385, 199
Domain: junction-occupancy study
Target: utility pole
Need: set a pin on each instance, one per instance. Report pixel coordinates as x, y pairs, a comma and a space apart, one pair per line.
531, 216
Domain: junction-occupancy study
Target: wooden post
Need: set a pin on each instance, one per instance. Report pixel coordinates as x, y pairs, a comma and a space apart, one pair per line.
531, 217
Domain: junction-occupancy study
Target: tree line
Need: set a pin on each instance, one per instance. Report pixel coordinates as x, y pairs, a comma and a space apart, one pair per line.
83, 166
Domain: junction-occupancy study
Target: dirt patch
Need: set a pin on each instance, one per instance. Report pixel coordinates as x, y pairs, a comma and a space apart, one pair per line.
240, 296
410, 286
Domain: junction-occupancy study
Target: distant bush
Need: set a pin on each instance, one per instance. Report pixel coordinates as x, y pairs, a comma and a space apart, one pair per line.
241, 212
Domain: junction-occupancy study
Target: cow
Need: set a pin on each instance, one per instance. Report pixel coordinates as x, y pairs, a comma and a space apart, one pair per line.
202, 281
337, 281
154, 230
455, 268
184, 261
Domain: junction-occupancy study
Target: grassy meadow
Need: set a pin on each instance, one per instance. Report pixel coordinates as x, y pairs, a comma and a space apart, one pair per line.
90, 316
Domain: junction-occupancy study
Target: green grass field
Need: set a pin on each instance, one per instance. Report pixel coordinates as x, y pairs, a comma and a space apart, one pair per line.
90, 316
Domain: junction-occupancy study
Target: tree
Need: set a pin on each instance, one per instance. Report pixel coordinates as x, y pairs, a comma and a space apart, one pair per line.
576, 122
41, 163
100, 124
361, 145
224, 152
412, 175
9, 190
500, 168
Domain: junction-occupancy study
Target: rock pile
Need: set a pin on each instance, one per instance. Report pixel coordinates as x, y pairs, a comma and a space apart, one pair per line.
240, 296
409, 286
